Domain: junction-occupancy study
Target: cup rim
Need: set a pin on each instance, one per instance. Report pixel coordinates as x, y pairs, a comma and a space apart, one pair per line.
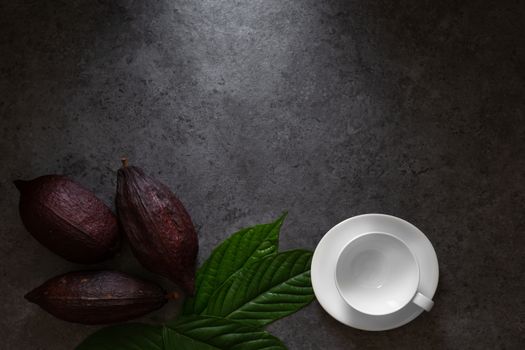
339, 289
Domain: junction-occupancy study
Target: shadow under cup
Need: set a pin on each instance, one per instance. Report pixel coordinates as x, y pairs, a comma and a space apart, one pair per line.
377, 274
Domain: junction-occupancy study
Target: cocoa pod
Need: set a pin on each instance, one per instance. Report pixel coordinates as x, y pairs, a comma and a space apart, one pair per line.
68, 219
158, 227
97, 297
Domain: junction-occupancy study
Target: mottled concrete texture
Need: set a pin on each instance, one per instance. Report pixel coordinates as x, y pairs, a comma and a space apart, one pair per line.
326, 109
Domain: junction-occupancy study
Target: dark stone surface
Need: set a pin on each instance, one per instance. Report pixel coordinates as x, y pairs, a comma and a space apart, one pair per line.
326, 109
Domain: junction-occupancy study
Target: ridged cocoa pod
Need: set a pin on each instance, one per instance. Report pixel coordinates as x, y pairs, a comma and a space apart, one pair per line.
68, 219
158, 226
97, 297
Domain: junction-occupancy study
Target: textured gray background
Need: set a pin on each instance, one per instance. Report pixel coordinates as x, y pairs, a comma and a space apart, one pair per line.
326, 109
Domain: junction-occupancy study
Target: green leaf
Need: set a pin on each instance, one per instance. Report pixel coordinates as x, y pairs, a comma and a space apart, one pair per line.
130, 336
190, 333
240, 250
177, 341
212, 333
266, 290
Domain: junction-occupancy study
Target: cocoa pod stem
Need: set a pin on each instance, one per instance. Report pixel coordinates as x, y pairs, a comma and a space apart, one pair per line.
173, 296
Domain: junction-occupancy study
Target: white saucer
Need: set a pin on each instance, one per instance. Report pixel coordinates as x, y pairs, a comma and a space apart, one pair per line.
325, 259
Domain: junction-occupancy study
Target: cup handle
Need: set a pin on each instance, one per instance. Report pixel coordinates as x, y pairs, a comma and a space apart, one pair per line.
423, 302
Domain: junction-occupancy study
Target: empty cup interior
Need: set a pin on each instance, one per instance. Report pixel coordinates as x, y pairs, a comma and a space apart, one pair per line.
377, 274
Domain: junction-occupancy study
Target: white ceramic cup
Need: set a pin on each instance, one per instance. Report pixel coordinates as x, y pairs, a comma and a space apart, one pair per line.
377, 274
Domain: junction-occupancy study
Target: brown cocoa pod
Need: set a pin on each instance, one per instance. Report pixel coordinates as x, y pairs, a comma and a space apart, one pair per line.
158, 227
68, 219
97, 297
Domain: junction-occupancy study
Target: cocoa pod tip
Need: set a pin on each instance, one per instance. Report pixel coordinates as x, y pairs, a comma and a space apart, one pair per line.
20, 184
32, 296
